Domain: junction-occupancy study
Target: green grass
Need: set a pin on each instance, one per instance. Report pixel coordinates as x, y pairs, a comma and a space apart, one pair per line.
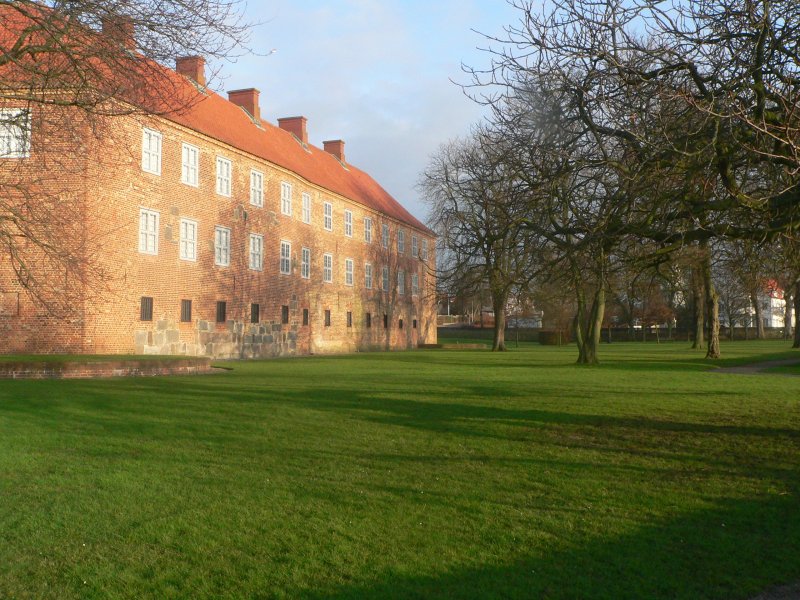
432, 474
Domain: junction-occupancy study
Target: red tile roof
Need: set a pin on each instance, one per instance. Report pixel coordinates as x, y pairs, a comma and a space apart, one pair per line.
216, 117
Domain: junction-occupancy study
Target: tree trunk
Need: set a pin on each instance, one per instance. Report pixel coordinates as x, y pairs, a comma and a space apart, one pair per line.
759, 321
712, 305
499, 343
787, 314
699, 308
589, 327
796, 343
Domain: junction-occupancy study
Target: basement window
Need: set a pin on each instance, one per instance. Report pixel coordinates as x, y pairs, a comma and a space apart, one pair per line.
186, 311
255, 313
305, 316
222, 309
327, 318
146, 309
285, 314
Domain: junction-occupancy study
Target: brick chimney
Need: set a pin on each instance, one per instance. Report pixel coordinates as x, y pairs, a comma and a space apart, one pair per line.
335, 147
295, 125
248, 100
120, 29
193, 67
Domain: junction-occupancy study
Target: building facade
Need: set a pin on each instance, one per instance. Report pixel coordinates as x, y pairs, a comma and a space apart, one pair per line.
213, 232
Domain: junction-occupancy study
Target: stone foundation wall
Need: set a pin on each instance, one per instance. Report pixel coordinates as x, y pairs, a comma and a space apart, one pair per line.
233, 339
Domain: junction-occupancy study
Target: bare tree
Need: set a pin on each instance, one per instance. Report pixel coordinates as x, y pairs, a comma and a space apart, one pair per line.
68, 70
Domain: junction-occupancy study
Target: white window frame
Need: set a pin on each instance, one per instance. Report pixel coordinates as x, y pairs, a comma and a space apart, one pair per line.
256, 256
368, 276
401, 241
286, 257
224, 176
385, 236
328, 216
414, 247
190, 165
15, 133
148, 231
327, 267
286, 198
348, 223
401, 282
424, 249
415, 284
305, 263
306, 208
151, 151
385, 279
348, 272
368, 230
188, 239
256, 188
222, 246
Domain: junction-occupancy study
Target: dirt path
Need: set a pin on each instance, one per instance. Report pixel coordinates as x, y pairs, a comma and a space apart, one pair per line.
760, 369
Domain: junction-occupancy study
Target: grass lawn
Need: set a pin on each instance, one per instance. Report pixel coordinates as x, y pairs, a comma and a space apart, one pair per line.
430, 474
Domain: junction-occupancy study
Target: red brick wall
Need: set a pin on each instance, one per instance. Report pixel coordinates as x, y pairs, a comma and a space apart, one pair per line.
122, 188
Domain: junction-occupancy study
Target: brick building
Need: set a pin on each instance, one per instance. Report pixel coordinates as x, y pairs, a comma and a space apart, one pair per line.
214, 232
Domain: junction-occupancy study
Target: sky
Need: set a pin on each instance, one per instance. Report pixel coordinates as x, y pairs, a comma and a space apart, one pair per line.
374, 73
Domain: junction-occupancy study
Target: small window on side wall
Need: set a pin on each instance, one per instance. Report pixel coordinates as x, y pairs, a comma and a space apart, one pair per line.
222, 309
255, 313
349, 318
186, 311
385, 321
327, 318
285, 314
369, 320
146, 309
305, 316
400, 324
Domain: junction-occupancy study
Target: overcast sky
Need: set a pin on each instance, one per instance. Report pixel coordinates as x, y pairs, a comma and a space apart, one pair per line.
375, 73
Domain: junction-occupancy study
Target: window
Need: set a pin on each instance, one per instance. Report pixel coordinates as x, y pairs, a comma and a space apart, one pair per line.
348, 223
328, 216
256, 188
255, 313
368, 319
148, 231
414, 246
424, 249
188, 243
414, 284
368, 276
327, 268
15, 133
385, 321
222, 246
285, 314
368, 230
256, 251
401, 241
286, 257
305, 263
223, 176
305, 316
348, 271
286, 199
186, 311
400, 324
401, 282
306, 208
190, 165
146, 309
385, 236
349, 318
414, 324
327, 317
222, 309
385, 279
151, 151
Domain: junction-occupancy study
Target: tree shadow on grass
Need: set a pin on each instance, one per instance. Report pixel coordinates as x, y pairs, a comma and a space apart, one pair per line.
733, 551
